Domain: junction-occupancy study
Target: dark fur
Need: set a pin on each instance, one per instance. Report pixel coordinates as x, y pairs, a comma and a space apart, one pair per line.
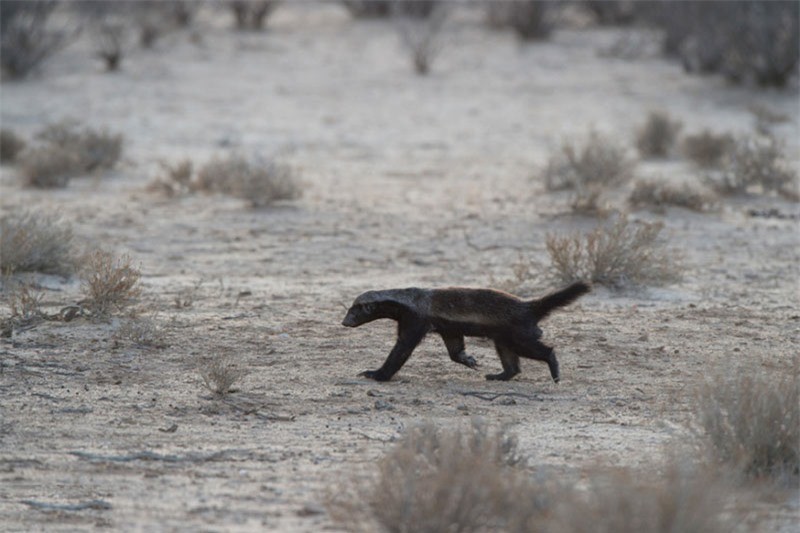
456, 313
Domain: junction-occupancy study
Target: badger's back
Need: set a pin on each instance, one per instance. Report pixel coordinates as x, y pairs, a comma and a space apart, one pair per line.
477, 306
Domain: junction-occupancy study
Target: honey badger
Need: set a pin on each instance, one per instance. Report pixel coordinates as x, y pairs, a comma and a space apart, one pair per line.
455, 313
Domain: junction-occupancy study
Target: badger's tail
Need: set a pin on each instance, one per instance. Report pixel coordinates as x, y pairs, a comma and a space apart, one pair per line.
542, 307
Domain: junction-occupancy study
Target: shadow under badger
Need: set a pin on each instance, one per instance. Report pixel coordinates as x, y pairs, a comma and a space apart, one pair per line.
455, 313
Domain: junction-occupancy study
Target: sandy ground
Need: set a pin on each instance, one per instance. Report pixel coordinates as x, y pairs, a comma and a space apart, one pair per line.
408, 181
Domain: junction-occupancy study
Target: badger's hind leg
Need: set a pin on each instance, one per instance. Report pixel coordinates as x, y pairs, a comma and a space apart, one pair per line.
532, 348
456, 349
509, 359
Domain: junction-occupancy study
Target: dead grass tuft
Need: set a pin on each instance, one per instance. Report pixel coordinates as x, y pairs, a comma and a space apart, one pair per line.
260, 183
657, 195
110, 283
252, 14
752, 421
437, 479
707, 149
93, 149
657, 136
48, 167
474, 480
28, 36
531, 20
111, 43
219, 375
755, 163
589, 170
34, 242
422, 37
10, 145
681, 498
143, 331
176, 179
25, 303
620, 254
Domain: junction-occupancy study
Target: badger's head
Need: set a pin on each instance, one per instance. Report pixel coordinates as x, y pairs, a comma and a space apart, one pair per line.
365, 309
391, 303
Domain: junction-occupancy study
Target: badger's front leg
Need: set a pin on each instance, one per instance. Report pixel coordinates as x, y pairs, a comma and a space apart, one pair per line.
455, 347
409, 334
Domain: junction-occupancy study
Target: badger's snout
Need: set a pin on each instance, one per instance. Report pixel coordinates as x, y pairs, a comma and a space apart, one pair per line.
350, 320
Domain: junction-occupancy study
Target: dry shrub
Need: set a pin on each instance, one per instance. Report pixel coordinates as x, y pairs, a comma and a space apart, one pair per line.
48, 167
531, 20
619, 254
35, 242
611, 12
599, 162
144, 331
386, 8
747, 41
151, 22
422, 37
438, 479
589, 171
176, 180
10, 145
682, 498
181, 12
755, 163
94, 149
657, 195
368, 8
219, 375
766, 117
252, 14
752, 421
658, 134
472, 480
27, 37
111, 43
707, 149
110, 283
25, 303
260, 183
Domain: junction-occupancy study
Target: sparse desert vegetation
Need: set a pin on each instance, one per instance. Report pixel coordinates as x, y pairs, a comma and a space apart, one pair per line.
27, 36
124, 403
142, 331
658, 194
754, 162
260, 182
220, 374
94, 149
65, 150
683, 497
657, 135
707, 149
252, 14
589, 170
751, 419
10, 145
476, 479
621, 253
110, 283
531, 20
423, 39
437, 479
32, 241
